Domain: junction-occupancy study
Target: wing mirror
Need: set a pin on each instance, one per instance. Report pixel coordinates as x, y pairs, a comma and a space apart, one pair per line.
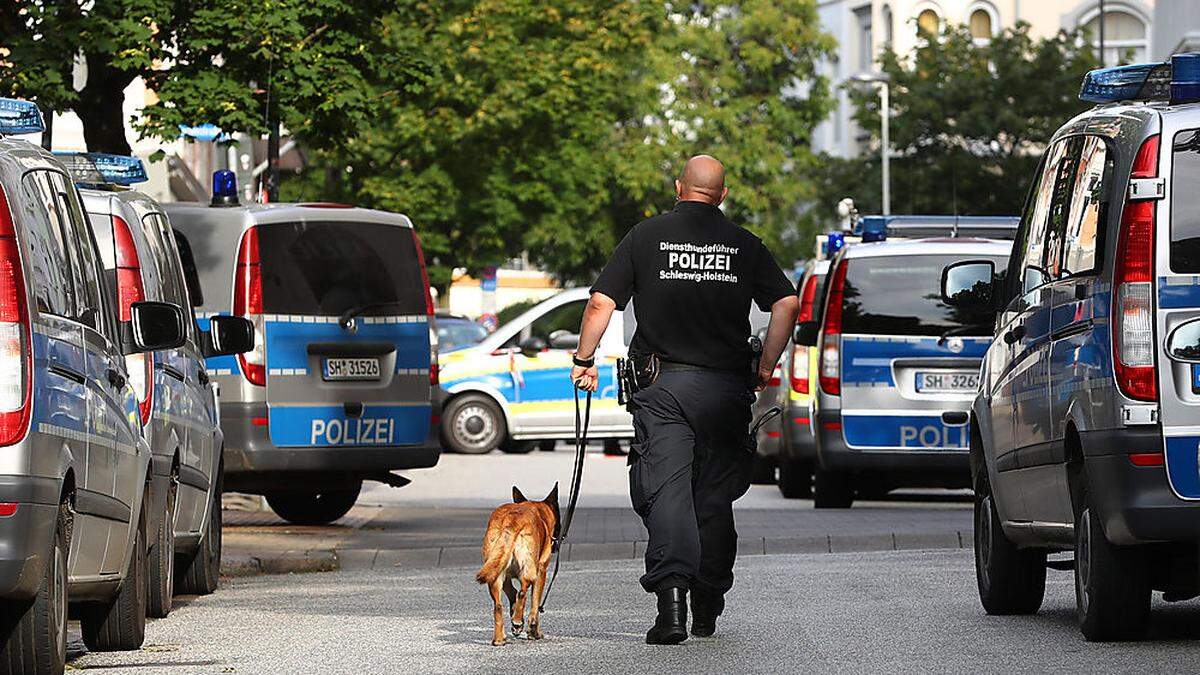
969, 285
227, 335
805, 334
1183, 344
153, 326
532, 346
564, 339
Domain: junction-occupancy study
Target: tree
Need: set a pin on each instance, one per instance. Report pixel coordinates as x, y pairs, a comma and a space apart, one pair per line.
968, 122
217, 61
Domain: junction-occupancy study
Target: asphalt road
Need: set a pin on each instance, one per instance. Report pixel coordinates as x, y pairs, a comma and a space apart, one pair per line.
862, 612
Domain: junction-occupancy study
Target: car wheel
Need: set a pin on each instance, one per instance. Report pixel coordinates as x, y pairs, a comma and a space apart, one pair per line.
473, 425
161, 558
795, 478
35, 631
832, 490
313, 508
1010, 580
1112, 584
202, 573
547, 445
763, 471
517, 447
119, 624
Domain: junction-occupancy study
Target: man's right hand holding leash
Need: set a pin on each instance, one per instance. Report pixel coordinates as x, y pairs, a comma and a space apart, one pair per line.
596, 316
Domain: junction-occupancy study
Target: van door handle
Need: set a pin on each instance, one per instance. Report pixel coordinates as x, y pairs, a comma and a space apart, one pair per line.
1014, 334
202, 376
115, 379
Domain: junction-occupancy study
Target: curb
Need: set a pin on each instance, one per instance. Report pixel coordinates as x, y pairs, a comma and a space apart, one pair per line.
289, 562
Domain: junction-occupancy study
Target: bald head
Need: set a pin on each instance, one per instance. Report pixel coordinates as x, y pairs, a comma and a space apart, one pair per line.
702, 180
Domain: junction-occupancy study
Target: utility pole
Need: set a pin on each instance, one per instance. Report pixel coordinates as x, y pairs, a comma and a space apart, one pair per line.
273, 156
48, 133
1101, 33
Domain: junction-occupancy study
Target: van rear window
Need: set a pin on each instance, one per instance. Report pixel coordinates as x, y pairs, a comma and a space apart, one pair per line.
902, 296
1185, 204
326, 268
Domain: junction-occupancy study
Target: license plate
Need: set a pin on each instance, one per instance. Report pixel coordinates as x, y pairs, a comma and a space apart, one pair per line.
947, 382
351, 369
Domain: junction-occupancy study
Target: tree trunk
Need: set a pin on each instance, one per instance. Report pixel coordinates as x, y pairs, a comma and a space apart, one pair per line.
103, 121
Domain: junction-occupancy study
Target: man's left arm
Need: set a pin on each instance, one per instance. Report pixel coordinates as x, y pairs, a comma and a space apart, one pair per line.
779, 331
596, 316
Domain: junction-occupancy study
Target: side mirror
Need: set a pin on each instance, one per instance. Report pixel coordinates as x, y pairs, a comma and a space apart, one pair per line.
532, 346
1183, 344
563, 339
806, 332
969, 285
227, 335
153, 326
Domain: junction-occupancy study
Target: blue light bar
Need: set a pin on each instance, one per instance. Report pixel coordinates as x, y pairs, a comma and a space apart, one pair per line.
873, 228
20, 117
1137, 82
224, 188
1185, 78
100, 168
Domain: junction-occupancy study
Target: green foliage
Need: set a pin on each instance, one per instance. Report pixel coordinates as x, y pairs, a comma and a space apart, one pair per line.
968, 123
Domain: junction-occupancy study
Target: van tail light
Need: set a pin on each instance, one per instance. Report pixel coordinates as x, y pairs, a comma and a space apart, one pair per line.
130, 289
807, 295
429, 311
248, 303
831, 334
1133, 301
799, 368
16, 371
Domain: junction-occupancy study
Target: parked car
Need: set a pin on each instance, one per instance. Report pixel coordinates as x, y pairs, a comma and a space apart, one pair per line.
176, 400
341, 385
74, 476
457, 332
1084, 429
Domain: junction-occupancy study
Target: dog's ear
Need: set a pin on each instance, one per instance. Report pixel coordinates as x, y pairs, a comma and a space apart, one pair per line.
552, 498
517, 496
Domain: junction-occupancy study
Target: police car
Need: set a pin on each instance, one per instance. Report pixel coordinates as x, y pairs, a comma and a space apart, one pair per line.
74, 499
798, 450
176, 401
897, 368
513, 387
341, 384
1086, 425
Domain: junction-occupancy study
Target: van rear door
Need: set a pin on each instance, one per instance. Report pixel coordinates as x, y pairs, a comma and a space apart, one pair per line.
364, 381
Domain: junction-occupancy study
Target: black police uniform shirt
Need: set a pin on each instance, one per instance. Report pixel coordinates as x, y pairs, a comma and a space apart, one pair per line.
692, 275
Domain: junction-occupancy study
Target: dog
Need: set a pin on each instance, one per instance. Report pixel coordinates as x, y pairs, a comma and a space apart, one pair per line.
516, 552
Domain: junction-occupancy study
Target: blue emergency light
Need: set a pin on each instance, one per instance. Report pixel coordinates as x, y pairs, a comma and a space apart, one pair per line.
101, 168
20, 117
224, 188
1177, 81
835, 242
873, 228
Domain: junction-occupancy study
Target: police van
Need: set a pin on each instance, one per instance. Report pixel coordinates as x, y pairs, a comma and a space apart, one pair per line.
898, 367
176, 400
74, 474
514, 386
798, 450
1086, 425
341, 384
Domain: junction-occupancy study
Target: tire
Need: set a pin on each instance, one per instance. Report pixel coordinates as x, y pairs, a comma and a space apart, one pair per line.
202, 573
763, 471
473, 424
161, 559
795, 478
28, 623
1112, 584
313, 508
119, 624
832, 490
512, 447
547, 445
1011, 581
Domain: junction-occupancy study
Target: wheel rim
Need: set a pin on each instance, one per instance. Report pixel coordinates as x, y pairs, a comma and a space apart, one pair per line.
983, 538
474, 426
1083, 567
59, 599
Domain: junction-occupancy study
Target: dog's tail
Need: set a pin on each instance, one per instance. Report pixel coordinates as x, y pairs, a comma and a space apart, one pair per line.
498, 554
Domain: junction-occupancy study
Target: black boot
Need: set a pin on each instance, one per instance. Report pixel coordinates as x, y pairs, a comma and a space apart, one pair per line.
706, 607
670, 628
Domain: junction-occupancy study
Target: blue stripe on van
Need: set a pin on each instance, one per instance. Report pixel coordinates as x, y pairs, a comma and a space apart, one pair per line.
868, 359
913, 432
1178, 292
287, 341
328, 425
1183, 465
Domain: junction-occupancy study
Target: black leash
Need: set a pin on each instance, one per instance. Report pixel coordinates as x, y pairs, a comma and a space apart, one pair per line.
581, 430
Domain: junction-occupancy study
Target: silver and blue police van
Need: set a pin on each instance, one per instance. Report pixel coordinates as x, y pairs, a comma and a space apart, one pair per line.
1086, 425
341, 385
75, 469
897, 366
176, 400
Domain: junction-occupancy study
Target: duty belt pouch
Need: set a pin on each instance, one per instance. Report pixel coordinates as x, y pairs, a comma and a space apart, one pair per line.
635, 374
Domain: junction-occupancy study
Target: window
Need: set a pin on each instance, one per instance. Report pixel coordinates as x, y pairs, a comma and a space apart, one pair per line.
555, 324
888, 30
1185, 202
1031, 242
981, 25
1086, 211
48, 263
1125, 37
866, 48
87, 272
928, 23
167, 260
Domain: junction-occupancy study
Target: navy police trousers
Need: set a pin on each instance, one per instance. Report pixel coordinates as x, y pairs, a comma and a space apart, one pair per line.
687, 465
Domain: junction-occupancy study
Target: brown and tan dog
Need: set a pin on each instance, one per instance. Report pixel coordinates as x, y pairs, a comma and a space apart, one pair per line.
516, 550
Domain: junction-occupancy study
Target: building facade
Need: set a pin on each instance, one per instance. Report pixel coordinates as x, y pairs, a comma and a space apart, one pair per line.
1176, 28
864, 28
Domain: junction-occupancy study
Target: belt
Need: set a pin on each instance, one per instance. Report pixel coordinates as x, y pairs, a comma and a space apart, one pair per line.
674, 367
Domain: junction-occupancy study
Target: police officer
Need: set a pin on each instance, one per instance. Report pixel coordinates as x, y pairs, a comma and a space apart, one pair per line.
693, 275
